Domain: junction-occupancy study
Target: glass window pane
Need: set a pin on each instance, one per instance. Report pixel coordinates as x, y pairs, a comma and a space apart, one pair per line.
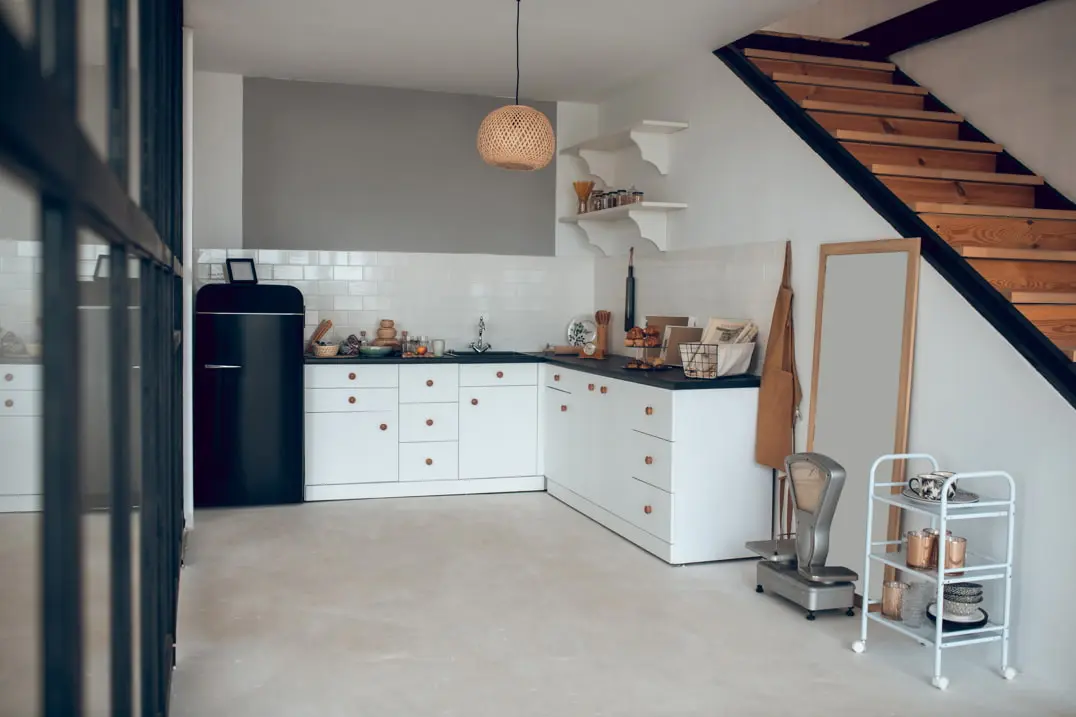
96, 467
19, 16
93, 73
20, 449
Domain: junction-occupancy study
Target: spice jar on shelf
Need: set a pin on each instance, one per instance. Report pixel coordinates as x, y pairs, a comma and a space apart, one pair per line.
637, 197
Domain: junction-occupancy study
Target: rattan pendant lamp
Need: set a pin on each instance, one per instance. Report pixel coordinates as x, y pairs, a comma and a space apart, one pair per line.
517, 137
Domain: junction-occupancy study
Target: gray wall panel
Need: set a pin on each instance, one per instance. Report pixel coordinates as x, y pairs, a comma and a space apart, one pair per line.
329, 166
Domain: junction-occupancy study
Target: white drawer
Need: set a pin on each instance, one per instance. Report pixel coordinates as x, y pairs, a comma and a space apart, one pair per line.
344, 400
429, 422
649, 410
20, 403
647, 507
16, 377
428, 461
649, 459
499, 374
427, 383
352, 376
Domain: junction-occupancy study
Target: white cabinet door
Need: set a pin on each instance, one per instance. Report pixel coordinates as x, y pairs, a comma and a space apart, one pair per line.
346, 448
559, 411
20, 446
498, 432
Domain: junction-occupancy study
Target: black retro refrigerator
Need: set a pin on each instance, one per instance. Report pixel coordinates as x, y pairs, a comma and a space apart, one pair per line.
248, 395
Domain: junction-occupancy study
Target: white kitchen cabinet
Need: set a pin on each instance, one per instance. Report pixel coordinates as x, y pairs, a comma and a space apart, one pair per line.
353, 447
672, 471
20, 437
426, 383
499, 374
350, 400
429, 461
351, 376
425, 422
498, 431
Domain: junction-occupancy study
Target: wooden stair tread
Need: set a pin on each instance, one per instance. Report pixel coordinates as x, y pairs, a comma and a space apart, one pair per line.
903, 140
1069, 350
980, 210
893, 170
997, 252
849, 84
820, 60
1057, 322
882, 111
814, 38
1021, 296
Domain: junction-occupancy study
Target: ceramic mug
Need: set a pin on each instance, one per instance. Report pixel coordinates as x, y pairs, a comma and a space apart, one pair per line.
929, 485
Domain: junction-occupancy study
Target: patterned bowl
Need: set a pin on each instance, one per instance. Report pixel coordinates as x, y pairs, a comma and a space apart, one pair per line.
962, 609
967, 599
971, 589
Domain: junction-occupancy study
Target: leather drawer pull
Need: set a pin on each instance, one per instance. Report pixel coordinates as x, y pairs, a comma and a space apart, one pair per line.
429, 383
429, 461
650, 410
648, 510
384, 427
351, 376
351, 399
474, 401
429, 421
650, 460
500, 374
563, 409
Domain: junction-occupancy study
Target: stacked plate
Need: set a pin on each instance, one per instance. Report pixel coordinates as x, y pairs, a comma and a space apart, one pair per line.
961, 607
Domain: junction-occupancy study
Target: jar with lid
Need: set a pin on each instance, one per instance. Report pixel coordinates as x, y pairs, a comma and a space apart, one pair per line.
362, 339
625, 198
597, 201
637, 197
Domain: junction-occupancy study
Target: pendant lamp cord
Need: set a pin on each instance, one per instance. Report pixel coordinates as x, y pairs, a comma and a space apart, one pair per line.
518, 5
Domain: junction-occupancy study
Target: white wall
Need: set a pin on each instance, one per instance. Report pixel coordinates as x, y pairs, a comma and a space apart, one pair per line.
747, 179
576, 122
978, 405
218, 160
1013, 79
841, 18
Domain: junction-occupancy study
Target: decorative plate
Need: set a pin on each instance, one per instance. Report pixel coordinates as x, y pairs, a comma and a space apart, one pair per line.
955, 623
962, 496
582, 330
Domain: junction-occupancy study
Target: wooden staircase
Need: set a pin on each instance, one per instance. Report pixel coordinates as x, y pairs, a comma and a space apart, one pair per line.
1008, 225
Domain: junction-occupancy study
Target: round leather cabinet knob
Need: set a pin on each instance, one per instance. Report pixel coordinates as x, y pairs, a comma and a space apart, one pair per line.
556, 377
648, 510
429, 383
500, 374
351, 399
8, 377
384, 427
590, 387
9, 403
605, 389
474, 401
429, 421
351, 377
649, 411
563, 409
650, 460
429, 461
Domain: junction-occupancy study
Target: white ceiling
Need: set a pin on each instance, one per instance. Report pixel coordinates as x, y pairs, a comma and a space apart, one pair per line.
572, 49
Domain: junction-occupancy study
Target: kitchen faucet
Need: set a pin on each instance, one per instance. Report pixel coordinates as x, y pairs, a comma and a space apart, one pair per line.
480, 346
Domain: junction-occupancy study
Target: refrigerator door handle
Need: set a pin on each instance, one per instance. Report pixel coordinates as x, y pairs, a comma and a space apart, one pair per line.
220, 366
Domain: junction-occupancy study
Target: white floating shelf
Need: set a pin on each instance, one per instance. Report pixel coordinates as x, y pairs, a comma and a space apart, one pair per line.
650, 136
650, 218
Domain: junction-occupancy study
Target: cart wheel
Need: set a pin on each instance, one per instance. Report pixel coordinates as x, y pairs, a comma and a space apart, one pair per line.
758, 589
850, 612
942, 683
1008, 673
810, 616
858, 647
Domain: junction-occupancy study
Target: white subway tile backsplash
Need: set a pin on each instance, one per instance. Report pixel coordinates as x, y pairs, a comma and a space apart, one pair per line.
216, 272
376, 303
16, 264
241, 254
317, 272
378, 273
389, 258
361, 258
350, 303
332, 288
363, 288
287, 272
272, 256
312, 318
317, 301
347, 273
332, 258
306, 287
300, 257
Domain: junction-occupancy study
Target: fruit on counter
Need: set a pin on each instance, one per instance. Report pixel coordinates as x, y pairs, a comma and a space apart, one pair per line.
421, 350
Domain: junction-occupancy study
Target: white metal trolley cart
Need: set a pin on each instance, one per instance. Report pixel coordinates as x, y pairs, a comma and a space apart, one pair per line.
977, 567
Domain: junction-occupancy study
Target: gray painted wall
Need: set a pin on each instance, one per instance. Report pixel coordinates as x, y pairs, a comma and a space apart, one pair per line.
342, 167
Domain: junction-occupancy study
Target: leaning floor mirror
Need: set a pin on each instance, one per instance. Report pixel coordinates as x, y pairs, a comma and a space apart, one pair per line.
862, 377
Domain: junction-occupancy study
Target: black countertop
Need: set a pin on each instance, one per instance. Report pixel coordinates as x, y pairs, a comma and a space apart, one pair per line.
672, 379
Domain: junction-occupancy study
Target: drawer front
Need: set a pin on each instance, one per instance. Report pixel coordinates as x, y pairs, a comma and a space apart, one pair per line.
20, 378
20, 403
499, 374
428, 461
420, 422
352, 376
429, 384
647, 507
649, 410
343, 400
650, 460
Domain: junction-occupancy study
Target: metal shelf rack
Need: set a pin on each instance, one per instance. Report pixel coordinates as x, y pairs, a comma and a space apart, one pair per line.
978, 568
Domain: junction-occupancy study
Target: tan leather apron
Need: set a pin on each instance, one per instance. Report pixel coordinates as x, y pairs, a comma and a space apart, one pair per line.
779, 395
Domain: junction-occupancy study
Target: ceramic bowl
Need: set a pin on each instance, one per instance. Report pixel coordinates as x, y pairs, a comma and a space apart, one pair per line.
962, 609
966, 599
375, 350
970, 589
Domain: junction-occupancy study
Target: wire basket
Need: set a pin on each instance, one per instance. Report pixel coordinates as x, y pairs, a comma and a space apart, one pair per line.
715, 360
326, 351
